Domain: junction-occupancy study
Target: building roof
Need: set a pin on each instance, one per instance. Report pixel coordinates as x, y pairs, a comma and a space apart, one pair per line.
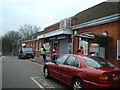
99, 11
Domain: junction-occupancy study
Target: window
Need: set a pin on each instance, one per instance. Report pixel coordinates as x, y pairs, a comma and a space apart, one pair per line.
72, 61
47, 46
76, 63
36, 46
62, 59
27, 49
97, 62
40, 45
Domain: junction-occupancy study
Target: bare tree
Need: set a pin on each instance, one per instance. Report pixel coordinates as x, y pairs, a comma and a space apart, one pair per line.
10, 41
27, 30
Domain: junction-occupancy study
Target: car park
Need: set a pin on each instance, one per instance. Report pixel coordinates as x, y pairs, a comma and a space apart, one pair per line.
81, 71
25, 52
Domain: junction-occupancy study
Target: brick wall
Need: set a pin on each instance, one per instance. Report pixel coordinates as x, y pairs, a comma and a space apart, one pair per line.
113, 30
52, 27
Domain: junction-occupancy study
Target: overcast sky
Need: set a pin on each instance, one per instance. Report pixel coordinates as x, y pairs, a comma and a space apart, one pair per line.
43, 13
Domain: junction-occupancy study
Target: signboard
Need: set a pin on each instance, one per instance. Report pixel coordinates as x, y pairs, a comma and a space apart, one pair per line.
118, 49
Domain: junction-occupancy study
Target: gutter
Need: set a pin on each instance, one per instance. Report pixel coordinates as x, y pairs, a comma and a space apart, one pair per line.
104, 20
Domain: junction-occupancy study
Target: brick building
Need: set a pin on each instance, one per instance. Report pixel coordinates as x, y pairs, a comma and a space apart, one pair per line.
57, 35
96, 29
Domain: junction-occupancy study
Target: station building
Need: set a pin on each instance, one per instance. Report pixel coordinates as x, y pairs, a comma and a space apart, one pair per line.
57, 36
96, 29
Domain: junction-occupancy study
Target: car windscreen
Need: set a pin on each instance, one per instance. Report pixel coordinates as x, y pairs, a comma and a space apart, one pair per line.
96, 62
27, 49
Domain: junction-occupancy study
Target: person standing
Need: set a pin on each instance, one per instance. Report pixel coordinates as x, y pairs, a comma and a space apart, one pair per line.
78, 52
43, 52
82, 50
54, 53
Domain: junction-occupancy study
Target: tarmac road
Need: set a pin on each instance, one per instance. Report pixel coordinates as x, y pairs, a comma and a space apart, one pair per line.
24, 74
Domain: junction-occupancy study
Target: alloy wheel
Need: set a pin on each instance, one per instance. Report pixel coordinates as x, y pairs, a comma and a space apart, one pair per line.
46, 73
77, 85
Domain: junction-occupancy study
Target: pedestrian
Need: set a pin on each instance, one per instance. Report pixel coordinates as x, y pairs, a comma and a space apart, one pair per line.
43, 52
78, 52
54, 54
82, 50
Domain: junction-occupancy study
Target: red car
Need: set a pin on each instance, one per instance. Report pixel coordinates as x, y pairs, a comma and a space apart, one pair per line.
79, 72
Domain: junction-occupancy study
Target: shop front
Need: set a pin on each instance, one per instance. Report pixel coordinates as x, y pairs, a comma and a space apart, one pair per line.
59, 39
60, 43
93, 44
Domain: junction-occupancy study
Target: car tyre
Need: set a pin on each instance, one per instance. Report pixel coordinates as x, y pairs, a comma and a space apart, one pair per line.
19, 57
77, 84
46, 73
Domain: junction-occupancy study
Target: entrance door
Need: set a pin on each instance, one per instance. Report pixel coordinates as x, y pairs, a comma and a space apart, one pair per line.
102, 52
63, 46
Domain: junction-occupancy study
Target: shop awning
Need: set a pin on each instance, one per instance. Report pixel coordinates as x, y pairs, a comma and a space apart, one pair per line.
91, 35
55, 33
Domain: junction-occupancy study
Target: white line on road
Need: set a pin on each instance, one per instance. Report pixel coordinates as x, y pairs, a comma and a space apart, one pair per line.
42, 83
38, 83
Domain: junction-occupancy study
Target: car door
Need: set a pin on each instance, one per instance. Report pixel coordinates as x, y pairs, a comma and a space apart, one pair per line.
69, 68
56, 67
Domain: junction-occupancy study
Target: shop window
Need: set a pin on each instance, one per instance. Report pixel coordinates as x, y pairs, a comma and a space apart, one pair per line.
118, 50
84, 44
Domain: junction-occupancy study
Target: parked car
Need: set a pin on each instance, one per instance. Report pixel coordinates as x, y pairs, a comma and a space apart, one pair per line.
25, 52
79, 72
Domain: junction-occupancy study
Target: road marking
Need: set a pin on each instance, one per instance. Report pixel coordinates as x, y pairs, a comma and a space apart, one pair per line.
37, 83
42, 83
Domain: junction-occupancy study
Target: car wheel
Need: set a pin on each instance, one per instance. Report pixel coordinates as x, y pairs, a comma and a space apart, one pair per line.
19, 57
77, 84
46, 72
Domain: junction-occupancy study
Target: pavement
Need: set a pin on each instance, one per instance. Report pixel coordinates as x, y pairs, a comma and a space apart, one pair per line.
40, 60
